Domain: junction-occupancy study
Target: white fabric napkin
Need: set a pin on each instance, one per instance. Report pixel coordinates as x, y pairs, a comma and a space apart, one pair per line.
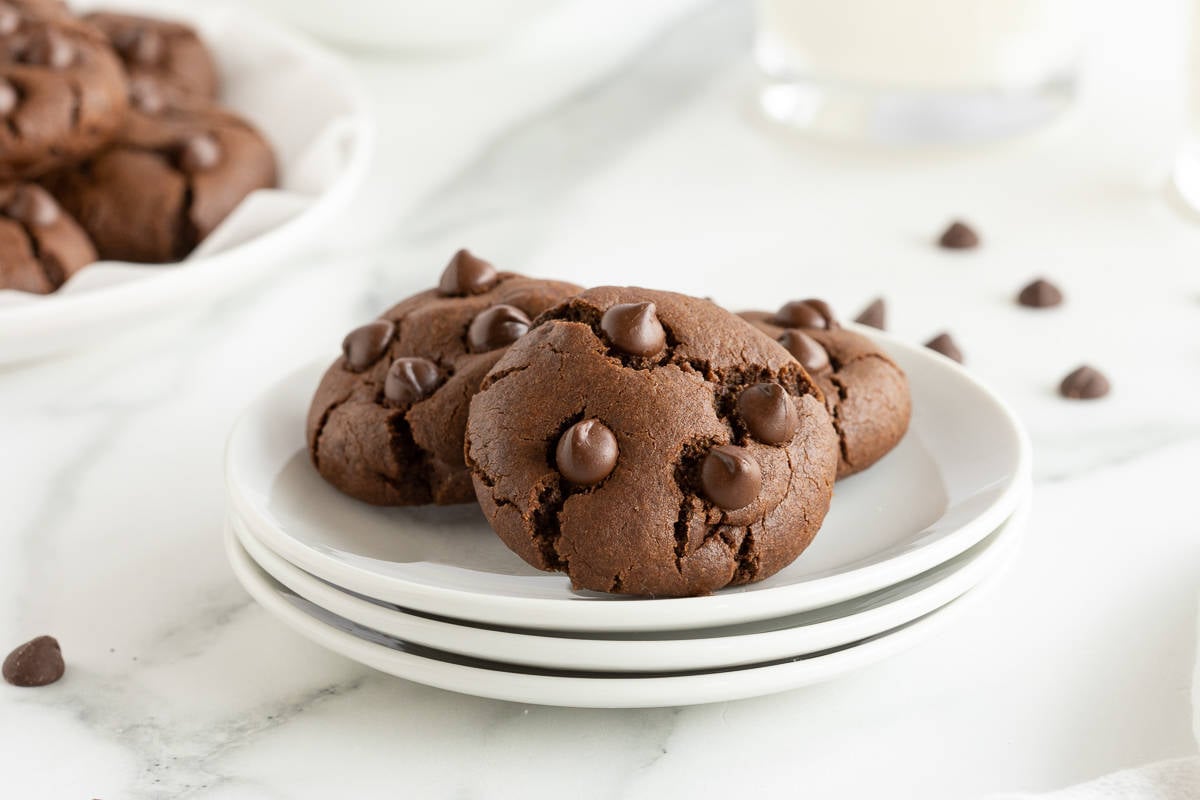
1177, 779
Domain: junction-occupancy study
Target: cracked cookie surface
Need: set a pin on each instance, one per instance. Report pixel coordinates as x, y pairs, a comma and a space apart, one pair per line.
865, 391
387, 422
62, 89
165, 61
649, 443
41, 246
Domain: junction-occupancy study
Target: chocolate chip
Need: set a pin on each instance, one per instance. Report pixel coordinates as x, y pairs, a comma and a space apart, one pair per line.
805, 349
142, 46
959, 236
10, 19
1040, 294
410, 380
634, 328
730, 477
32, 205
809, 313
495, 327
363, 346
49, 48
467, 274
9, 98
199, 152
146, 95
1085, 383
768, 413
942, 343
874, 315
36, 663
586, 453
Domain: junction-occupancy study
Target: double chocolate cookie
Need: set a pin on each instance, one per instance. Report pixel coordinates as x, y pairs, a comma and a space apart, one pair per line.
40, 245
866, 393
649, 443
62, 90
167, 63
166, 182
388, 420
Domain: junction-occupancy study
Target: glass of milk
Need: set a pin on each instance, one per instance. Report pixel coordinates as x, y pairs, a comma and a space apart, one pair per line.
920, 72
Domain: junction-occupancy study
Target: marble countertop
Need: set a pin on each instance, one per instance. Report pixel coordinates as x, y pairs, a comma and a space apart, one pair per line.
610, 144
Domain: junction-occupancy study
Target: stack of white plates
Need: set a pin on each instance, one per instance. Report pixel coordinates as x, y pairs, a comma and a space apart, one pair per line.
431, 595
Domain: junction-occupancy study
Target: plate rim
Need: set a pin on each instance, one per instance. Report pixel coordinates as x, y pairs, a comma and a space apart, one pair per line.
657, 614
529, 648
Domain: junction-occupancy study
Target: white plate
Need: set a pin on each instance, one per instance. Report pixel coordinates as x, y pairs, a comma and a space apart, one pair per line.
323, 144
706, 648
579, 689
954, 479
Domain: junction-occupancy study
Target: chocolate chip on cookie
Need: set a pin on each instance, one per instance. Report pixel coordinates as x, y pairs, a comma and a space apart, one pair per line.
41, 246
649, 443
387, 422
168, 56
62, 89
866, 393
166, 182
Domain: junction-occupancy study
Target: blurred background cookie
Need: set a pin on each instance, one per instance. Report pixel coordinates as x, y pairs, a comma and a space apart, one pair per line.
62, 89
40, 245
167, 63
165, 183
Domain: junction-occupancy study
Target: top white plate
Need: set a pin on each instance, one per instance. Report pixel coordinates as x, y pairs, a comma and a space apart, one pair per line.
956, 476
323, 146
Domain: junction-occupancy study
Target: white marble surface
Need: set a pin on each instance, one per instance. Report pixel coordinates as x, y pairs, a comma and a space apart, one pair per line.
612, 143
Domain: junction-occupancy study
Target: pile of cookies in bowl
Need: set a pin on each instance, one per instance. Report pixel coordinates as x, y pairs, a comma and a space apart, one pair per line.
114, 146
524, 489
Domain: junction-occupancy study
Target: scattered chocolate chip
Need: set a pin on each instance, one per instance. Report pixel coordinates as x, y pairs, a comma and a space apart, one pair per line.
9, 98
805, 349
32, 205
410, 380
959, 236
49, 48
36, 663
874, 315
1085, 383
199, 153
634, 328
809, 313
363, 346
730, 477
467, 274
586, 453
146, 95
10, 19
768, 413
942, 343
495, 327
1040, 294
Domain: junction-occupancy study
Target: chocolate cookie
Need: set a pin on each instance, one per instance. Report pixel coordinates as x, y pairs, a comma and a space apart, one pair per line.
166, 182
62, 90
650, 443
40, 245
866, 393
388, 420
167, 63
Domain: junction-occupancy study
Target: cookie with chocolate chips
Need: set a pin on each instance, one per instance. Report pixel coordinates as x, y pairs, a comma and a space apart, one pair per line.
40, 245
649, 443
165, 60
166, 182
866, 393
62, 89
387, 422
